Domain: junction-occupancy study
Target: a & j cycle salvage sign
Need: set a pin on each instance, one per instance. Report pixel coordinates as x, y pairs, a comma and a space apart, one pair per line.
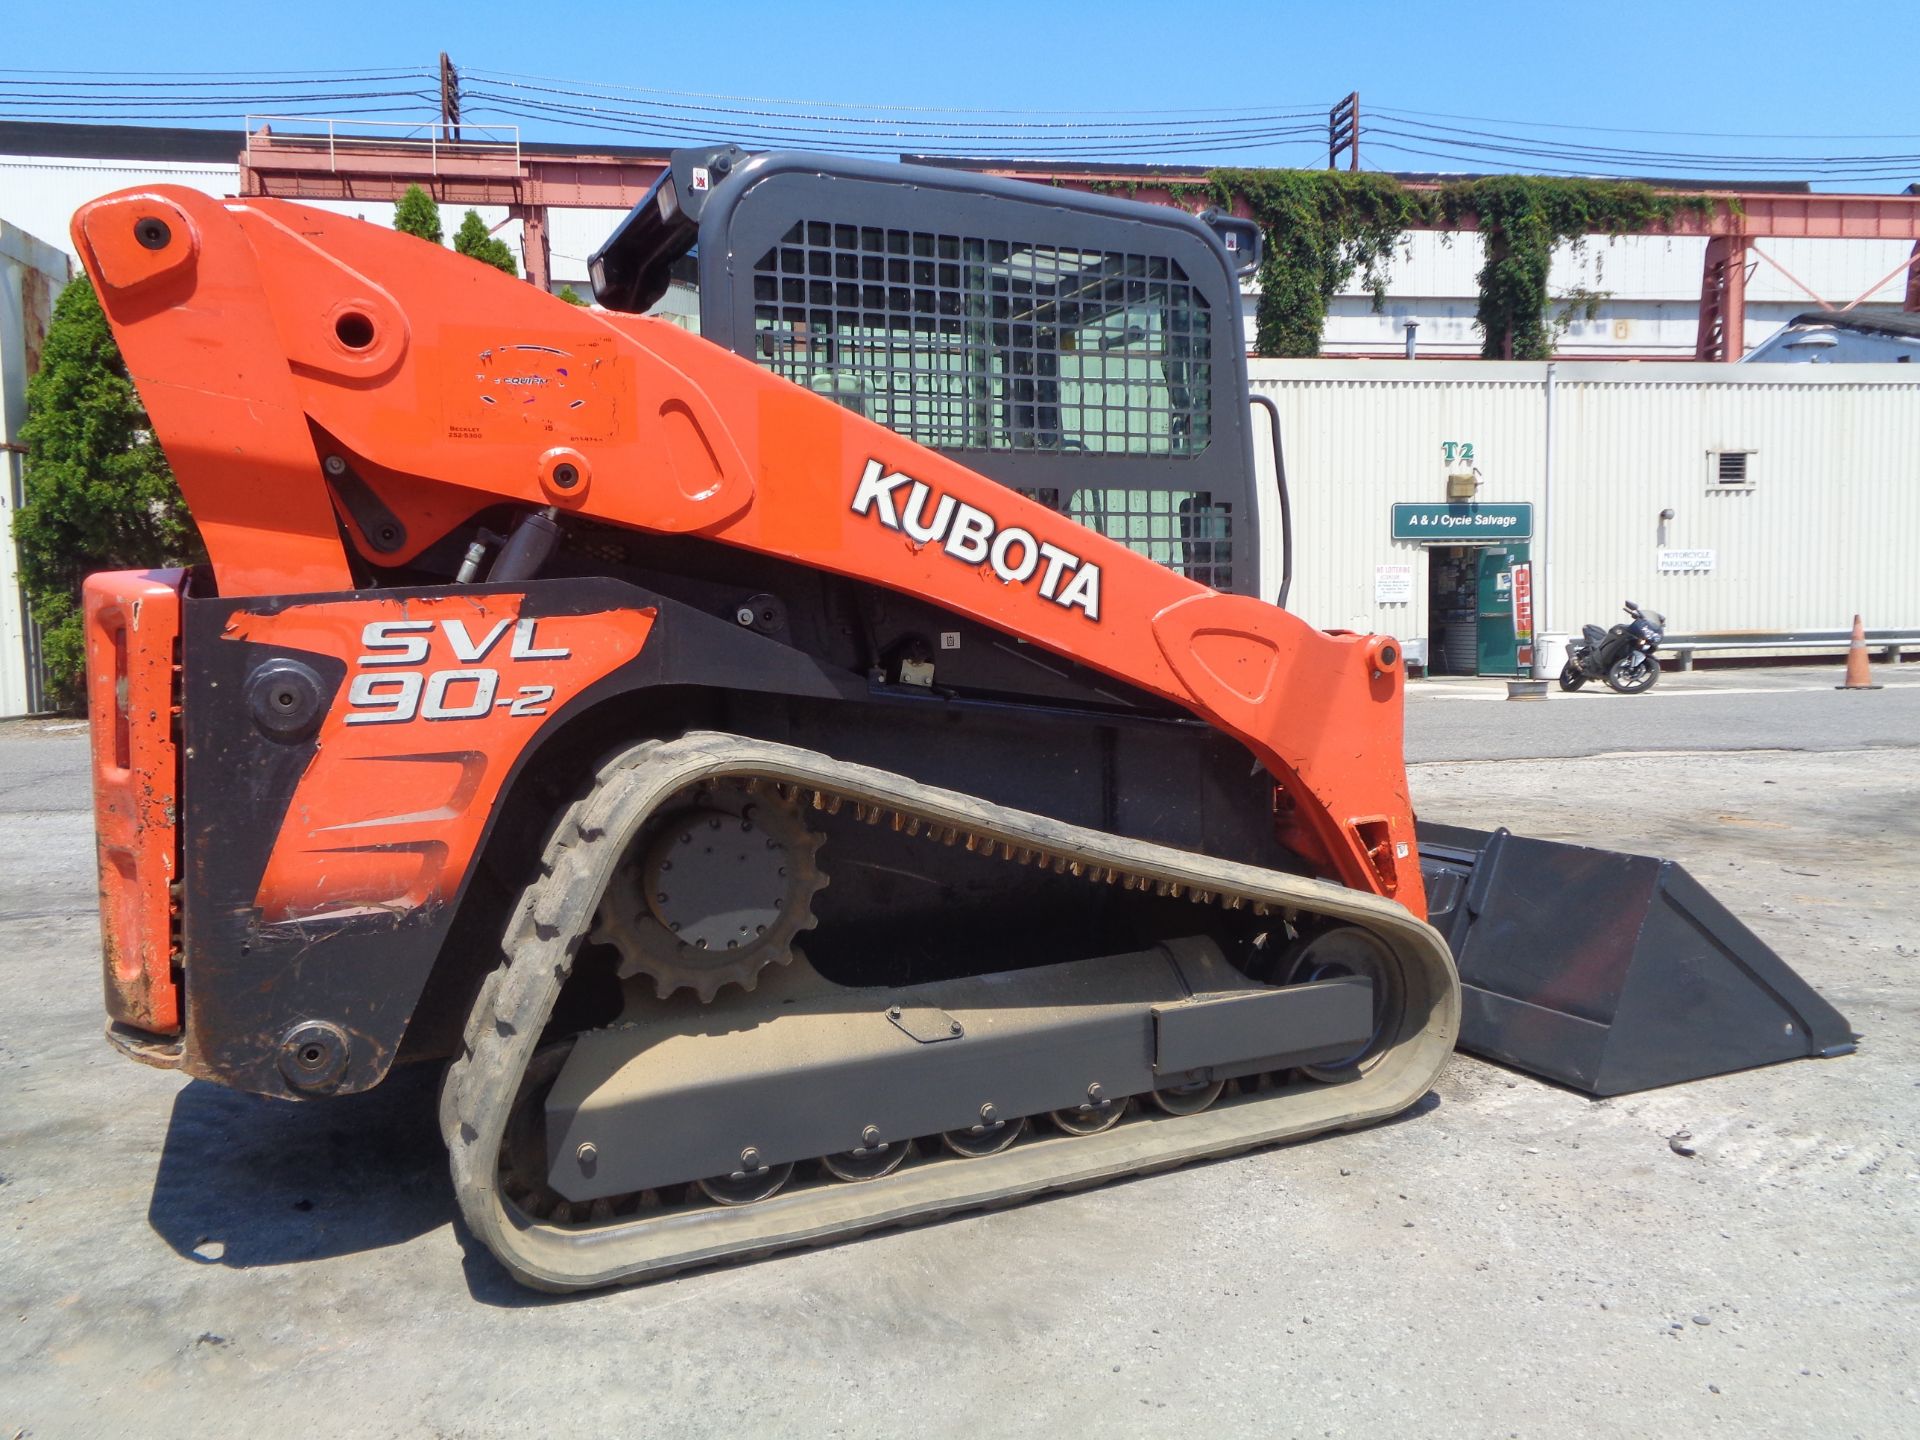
1452, 524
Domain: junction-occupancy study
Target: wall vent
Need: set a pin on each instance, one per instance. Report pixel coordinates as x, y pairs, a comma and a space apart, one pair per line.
1732, 468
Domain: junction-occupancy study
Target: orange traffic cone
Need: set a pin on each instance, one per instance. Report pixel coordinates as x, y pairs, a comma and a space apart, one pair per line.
1859, 671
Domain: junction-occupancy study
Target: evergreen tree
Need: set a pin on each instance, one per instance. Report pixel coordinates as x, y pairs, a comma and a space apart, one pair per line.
472, 239
99, 494
417, 214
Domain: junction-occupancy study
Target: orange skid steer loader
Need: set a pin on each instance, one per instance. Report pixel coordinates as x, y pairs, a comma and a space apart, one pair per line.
836, 769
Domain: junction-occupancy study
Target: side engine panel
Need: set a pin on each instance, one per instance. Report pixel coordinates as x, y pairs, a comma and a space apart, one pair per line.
347, 791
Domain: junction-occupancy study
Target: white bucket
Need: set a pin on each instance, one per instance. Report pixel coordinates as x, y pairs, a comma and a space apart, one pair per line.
1549, 656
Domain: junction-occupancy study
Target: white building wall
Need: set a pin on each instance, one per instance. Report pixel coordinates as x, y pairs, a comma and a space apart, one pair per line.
32, 273
1649, 287
39, 193
1828, 527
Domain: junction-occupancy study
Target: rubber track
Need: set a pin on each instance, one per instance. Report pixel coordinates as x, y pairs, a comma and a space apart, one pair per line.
556, 909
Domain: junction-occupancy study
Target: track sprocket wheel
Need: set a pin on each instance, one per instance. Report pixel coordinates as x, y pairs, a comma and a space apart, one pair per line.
713, 891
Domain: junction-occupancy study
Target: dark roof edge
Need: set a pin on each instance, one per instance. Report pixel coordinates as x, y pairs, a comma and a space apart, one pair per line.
180, 143
120, 142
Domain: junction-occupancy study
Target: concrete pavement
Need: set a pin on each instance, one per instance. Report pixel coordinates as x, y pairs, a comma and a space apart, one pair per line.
1510, 1259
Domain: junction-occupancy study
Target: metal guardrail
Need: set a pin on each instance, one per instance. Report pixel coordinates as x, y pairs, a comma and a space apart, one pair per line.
342, 135
1888, 642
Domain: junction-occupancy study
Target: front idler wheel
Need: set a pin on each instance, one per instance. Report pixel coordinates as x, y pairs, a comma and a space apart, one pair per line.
1347, 950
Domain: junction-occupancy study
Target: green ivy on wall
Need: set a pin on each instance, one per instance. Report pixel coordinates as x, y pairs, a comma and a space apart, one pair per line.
1323, 226
1521, 219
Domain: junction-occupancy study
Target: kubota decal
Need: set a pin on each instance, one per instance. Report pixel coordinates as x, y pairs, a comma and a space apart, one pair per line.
973, 537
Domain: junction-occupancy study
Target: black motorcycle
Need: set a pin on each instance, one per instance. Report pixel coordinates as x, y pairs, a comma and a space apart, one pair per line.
1622, 656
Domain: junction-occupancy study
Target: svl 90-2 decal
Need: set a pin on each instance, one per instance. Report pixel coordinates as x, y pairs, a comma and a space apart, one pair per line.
464, 691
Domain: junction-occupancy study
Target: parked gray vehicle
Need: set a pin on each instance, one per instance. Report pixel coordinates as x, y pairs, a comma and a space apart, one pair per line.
1835, 337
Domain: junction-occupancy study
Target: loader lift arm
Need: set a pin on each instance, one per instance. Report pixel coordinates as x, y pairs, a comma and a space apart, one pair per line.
435, 388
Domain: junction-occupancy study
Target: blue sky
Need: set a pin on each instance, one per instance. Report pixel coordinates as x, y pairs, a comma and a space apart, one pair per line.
1764, 69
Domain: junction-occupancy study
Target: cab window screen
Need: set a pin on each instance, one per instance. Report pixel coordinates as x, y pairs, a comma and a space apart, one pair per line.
1188, 531
963, 343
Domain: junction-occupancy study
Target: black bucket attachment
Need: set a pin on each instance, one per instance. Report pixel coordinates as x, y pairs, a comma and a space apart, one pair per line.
1608, 972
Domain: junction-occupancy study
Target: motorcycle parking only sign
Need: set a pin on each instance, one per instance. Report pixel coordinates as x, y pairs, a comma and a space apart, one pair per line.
1677, 561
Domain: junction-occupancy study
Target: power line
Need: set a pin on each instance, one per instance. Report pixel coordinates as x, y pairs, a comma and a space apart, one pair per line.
149, 74
528, 108
329, 113
1535, 145
613, 123
1829, 167
669, 116
876, 121
950, 137
40, 79
873, 108
56, 101
1628, 130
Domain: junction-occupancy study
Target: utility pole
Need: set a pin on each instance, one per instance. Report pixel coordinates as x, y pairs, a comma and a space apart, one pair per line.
449, 99
1343, 132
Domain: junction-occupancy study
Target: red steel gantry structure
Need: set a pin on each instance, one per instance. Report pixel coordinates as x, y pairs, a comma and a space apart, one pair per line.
530, 180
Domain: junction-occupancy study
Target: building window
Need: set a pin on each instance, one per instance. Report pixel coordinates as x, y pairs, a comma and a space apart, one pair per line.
963, 343
1730, 469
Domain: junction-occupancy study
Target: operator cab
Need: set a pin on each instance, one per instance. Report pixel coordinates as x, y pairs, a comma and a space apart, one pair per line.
1084, 351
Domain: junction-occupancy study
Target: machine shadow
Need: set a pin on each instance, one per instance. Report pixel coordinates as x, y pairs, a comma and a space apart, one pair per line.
247, 1182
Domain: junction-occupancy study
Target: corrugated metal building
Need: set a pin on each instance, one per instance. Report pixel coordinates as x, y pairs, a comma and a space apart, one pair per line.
32, 273
1767, 498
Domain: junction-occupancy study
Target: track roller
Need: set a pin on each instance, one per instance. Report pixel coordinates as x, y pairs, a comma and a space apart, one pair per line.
989, 1137
747, 1187
1091, 1118
1188, 1099
870, 1162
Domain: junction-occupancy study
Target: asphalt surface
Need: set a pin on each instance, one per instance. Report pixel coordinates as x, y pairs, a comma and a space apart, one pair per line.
1789, 708
1508, 1259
